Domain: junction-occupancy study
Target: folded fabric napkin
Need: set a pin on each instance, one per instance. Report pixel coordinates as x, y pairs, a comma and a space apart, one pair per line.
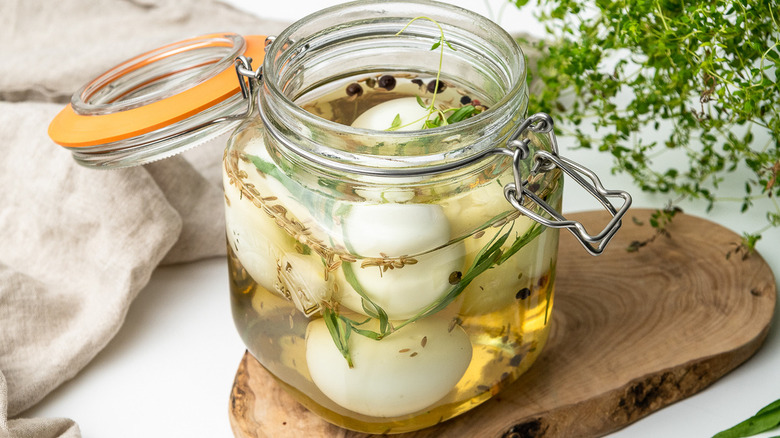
76, 244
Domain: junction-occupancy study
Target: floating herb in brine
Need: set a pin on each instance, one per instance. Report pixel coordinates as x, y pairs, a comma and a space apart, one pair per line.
435, 116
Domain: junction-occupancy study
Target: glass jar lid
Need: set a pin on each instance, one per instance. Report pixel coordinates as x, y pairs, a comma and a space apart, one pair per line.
157, 104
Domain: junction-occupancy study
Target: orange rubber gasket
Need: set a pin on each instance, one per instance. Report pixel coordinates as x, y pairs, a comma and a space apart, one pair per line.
76, 130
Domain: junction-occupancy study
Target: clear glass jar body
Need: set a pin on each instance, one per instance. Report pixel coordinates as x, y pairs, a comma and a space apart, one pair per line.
383, 303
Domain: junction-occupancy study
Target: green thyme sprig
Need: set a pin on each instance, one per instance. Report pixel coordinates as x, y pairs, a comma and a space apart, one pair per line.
660, 221
441, 118
706, 68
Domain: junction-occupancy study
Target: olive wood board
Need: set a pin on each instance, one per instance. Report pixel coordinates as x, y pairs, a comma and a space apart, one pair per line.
631, 332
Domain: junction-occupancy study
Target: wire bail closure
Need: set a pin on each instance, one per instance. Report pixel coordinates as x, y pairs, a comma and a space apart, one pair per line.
545, 161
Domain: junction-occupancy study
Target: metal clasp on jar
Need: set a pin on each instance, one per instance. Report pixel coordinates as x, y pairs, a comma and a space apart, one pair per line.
544, 161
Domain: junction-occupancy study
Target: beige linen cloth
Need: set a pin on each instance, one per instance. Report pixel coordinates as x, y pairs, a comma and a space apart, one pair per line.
77, 244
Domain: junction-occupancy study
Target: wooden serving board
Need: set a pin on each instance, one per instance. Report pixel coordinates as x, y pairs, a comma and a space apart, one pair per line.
631, 333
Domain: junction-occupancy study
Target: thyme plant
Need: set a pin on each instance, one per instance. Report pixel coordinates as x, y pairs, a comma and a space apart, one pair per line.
707, 69
617, 71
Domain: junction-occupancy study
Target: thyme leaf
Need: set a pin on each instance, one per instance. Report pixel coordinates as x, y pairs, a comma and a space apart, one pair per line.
396, 123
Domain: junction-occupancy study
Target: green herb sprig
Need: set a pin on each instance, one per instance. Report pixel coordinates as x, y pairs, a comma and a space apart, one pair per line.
707, 68
492, 254
441, 118
766, 419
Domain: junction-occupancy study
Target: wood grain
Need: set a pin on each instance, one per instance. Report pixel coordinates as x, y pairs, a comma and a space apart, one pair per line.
631, 333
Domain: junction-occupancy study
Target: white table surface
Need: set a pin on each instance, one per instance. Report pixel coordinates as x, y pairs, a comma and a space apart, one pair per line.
169, 371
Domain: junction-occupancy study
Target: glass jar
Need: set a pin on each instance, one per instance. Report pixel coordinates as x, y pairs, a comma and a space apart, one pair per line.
388, 278
380, 275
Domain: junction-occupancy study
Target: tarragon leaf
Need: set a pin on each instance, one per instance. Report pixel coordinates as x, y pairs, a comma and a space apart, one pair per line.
375, 311
766, 419
339, 331
462, 113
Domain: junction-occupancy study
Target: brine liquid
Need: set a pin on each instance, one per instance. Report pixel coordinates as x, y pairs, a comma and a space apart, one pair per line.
283, 257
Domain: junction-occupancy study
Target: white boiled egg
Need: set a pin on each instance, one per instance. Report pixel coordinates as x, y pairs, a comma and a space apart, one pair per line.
498, 286
303, 277
380, 117
403, 373
259, 241
403, 293
396, 230
255, 238
475, 208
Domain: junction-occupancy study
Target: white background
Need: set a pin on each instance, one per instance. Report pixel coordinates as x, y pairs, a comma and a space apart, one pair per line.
169, 371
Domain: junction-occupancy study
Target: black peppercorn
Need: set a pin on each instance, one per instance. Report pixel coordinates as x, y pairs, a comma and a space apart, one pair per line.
465, 100
387, 82
354, 89
523, 293
432, 86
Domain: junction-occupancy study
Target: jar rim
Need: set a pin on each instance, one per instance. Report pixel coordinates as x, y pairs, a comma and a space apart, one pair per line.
212, 54
297, 39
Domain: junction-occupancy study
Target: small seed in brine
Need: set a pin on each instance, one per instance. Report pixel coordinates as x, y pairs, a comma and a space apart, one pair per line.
354, 89
432, 86
515, 361
387, 82
523, 293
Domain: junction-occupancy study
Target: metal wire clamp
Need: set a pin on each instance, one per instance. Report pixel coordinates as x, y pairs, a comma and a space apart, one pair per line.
544, 161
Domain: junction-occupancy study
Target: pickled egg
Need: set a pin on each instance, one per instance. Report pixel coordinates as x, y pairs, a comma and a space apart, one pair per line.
303, 278
381, 117
255, 238
403, 373
261, 244
394, 230
475, 208
294, 208
498, 287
